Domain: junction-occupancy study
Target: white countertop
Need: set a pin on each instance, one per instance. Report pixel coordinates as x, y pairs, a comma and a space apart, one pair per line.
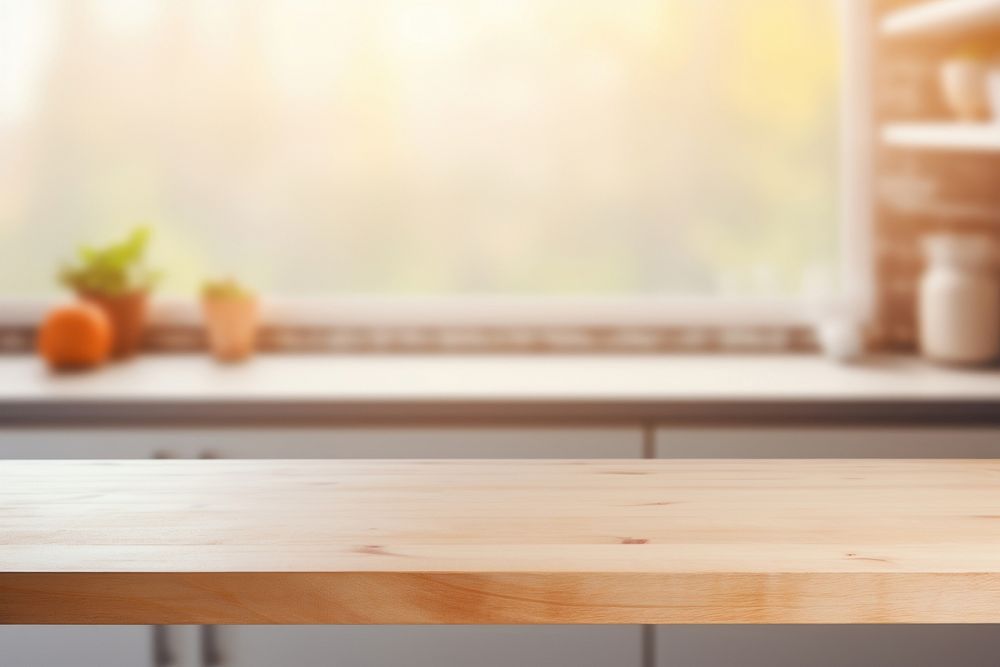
336, 383
500, 377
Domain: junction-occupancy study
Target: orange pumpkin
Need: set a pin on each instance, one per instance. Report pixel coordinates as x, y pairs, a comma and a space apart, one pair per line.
75, 336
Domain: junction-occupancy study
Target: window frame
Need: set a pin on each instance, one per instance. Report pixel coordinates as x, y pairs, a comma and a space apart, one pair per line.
855, 300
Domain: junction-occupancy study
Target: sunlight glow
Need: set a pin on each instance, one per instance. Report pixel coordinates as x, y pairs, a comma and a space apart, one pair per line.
426, 146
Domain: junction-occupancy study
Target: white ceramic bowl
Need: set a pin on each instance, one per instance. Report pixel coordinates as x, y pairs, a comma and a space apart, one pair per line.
963, 84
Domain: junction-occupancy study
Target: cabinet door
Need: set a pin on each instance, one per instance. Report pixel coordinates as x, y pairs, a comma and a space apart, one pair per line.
819, 443
416, 443
430, 646
90, 443
826, 646
77, 646
86, 646
436, 646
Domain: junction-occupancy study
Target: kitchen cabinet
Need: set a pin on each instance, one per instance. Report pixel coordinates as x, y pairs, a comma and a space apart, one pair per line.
85, 444
844, 443
304, 646
250, 646
288, 443
237, 646
414, 443
106, 646
825, 646
78, 646
430, 646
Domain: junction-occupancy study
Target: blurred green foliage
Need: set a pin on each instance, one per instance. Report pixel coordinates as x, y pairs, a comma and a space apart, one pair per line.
112, 270
226, 289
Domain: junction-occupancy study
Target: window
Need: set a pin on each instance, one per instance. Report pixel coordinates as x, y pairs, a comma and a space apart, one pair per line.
654, 152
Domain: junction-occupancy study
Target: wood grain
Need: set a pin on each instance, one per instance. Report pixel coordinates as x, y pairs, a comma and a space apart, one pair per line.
500, 541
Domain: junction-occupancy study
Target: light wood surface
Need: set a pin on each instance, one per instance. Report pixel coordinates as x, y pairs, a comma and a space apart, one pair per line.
500, 541
776, 389
975, 137
942, 17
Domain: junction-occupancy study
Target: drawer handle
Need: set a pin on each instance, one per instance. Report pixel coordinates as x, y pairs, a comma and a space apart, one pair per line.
162, 655
211, 656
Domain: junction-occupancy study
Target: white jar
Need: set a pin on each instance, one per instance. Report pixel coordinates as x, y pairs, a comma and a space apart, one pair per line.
960, 300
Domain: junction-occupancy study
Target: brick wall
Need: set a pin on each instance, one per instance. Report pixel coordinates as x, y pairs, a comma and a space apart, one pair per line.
917, 192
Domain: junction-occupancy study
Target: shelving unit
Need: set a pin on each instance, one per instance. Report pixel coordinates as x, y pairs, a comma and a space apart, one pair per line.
942, 17
944, 136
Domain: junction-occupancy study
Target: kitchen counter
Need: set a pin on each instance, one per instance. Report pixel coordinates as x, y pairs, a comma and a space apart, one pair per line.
499, 542
386, 389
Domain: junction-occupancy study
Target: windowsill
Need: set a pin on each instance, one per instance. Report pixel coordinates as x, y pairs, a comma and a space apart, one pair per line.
171, 390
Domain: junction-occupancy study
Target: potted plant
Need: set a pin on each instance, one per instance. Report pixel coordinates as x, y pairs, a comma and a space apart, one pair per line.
116, 279
231, 319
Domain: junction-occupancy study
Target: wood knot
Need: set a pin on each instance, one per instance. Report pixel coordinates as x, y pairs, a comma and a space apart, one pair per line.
373, 549
869, 559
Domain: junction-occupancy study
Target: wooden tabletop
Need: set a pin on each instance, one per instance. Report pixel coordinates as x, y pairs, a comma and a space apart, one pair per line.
498, 542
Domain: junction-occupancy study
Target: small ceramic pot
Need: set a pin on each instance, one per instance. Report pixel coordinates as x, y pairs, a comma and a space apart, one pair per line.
841, 339
232, 327
963, 84
127, 315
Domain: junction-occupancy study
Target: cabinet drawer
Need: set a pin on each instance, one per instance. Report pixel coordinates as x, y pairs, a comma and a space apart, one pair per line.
826, 646
76, 645
320, 443
891, 443
82, 444
430, 646
493, 443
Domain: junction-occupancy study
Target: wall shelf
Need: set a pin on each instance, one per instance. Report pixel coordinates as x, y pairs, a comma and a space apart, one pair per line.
966, 137
942, 17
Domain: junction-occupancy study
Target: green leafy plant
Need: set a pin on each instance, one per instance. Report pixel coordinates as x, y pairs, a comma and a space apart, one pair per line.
112, 270
226, 289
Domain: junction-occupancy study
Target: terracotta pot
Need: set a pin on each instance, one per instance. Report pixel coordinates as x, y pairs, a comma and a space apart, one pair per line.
232, 327
127, 314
